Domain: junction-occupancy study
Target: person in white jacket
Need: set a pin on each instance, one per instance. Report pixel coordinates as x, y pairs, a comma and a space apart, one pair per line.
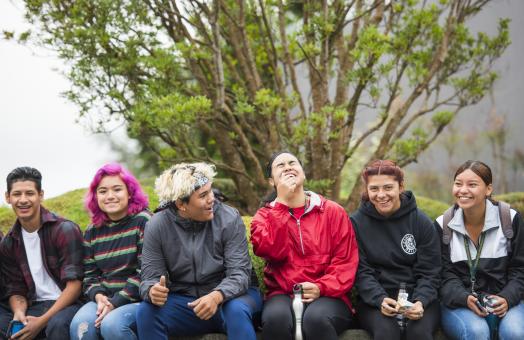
480, 261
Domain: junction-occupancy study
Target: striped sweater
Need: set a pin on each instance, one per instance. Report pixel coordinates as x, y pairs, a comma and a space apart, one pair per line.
112, 259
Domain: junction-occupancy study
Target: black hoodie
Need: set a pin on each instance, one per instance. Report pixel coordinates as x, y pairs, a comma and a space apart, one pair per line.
403, 247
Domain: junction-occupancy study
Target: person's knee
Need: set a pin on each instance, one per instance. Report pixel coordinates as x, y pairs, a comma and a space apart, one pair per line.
145, 312
511, 332
419, 331
476, 330
111, 330
236, 308
58, 327
79, 328
384, 328
277, 317
315, 321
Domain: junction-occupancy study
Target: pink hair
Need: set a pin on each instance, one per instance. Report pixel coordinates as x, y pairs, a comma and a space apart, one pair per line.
137, 199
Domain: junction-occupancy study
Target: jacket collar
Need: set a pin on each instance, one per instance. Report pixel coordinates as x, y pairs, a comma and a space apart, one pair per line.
491, 219
315, 202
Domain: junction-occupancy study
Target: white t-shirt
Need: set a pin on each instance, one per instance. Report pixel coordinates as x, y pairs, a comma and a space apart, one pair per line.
46, 288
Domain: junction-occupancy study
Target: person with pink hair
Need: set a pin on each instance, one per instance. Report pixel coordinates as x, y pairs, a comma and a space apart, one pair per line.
112, 256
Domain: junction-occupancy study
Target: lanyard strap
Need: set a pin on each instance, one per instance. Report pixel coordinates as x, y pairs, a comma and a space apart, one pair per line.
473, 265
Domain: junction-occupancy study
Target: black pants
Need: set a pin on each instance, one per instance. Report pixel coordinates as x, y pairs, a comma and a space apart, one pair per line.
58, 326
325, 318
385, 327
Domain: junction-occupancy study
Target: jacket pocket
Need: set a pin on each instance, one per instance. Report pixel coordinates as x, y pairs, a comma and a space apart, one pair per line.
312, 260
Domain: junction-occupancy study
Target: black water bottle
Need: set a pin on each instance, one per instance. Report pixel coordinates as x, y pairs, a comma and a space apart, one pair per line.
402, 298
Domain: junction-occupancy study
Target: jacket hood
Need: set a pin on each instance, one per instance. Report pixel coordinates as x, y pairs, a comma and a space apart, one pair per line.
407, 204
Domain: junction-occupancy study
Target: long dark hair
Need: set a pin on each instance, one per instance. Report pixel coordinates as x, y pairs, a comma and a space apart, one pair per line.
480, 169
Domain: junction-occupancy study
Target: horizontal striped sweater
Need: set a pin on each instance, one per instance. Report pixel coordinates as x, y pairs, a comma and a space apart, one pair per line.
112, 259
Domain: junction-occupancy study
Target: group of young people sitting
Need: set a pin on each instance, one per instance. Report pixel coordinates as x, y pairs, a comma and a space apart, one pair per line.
185, 269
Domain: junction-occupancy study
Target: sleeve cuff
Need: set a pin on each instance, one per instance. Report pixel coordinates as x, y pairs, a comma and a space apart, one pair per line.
95, 290
118, 300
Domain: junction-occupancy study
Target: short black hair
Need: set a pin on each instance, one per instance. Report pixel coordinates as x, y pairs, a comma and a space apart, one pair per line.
24, 173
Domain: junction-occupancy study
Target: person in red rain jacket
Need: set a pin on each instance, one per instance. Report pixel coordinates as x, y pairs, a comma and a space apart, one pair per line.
308, 240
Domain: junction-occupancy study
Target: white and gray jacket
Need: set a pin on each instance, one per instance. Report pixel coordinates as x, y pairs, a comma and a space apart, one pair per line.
197, 257
501, 268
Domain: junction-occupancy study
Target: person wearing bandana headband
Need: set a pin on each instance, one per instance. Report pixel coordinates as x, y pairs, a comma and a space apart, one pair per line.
196, 275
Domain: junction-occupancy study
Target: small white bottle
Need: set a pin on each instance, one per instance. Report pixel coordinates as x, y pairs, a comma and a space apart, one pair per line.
298, 310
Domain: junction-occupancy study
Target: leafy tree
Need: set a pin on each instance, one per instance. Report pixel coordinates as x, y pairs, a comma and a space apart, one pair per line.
231, 81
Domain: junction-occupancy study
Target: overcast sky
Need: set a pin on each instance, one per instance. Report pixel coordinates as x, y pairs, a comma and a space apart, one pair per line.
37, 126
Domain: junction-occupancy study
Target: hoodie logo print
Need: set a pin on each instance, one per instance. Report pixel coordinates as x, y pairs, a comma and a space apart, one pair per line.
408, 244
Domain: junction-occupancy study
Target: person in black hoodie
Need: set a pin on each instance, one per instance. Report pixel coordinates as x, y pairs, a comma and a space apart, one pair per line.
398, 244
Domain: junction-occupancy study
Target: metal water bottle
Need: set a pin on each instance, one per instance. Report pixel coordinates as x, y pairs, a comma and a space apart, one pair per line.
401, 299
298, 310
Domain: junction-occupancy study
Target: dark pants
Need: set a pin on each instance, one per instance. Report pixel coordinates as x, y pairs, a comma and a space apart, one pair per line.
58, 326
325, 318
175, 318
385, 327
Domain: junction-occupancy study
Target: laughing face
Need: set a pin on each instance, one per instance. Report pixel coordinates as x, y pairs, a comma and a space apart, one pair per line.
200, 205
470, 190
384, 193
25, 199
287, 168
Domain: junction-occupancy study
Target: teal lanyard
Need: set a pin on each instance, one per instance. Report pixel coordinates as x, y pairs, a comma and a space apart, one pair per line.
473, 265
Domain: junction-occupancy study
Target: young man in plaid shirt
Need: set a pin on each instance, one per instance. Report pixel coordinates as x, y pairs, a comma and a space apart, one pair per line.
42, 266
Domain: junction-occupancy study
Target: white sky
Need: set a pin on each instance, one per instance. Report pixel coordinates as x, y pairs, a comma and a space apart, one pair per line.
37, 125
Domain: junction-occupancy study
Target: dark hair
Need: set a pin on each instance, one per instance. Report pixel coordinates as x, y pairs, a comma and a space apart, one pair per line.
24, 173
380, 167
479, 168
269, 163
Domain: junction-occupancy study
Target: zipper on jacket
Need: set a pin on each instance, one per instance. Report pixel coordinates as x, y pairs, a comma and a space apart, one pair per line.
300, 235
299, 230
194, 263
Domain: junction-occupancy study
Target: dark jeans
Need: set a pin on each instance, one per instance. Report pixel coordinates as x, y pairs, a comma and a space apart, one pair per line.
385, 327
175, 318
58, 326
325, 318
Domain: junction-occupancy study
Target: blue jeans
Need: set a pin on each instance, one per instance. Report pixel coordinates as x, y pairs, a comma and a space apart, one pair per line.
175, 318
120, 323
58, 326
462, 323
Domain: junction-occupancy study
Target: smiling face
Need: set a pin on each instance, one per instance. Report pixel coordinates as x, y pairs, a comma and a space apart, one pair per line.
470, 190
25, 200
200, 205
384, 193
112, 197
286, 165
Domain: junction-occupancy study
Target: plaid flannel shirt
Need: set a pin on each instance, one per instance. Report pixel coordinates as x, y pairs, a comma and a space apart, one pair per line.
62, 255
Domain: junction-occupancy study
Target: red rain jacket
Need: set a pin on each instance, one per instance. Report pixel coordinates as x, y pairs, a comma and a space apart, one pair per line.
318, 247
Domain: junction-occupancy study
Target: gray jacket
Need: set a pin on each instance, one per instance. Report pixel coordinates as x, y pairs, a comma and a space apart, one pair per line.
196, 257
